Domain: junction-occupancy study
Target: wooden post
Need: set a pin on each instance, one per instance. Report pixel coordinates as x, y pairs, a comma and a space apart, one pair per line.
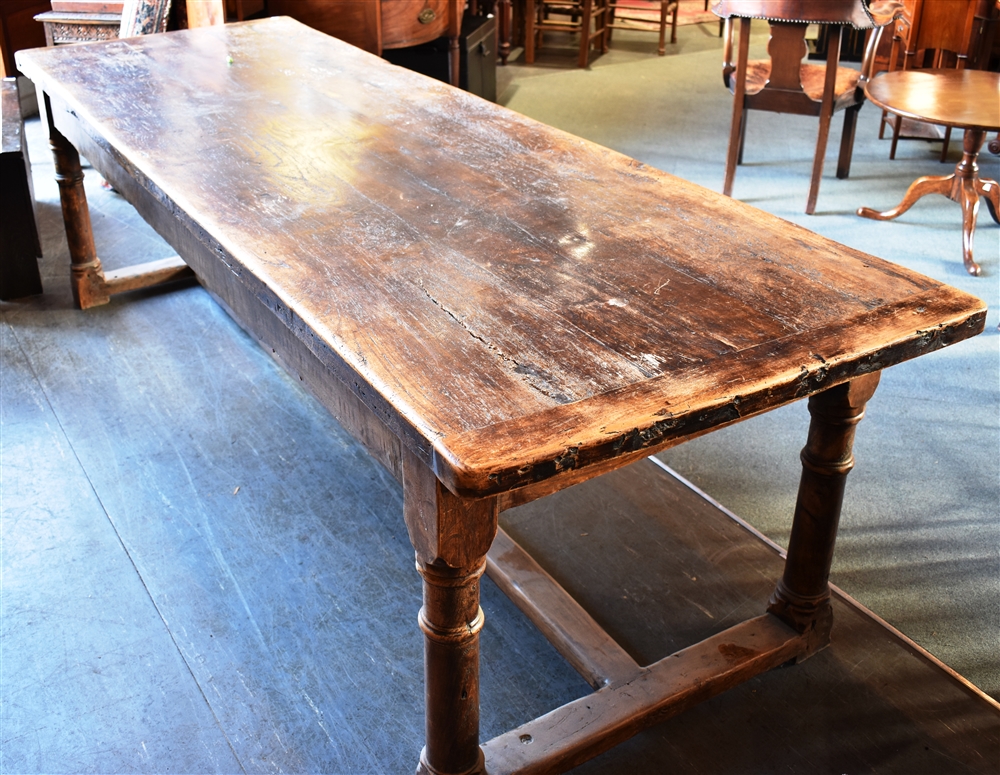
802, 597
451, 620
87, 277
451, 537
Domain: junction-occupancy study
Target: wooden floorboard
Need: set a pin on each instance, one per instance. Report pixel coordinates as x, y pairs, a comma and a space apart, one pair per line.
176, 507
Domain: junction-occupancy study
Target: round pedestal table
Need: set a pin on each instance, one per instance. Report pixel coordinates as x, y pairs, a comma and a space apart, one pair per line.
967, 99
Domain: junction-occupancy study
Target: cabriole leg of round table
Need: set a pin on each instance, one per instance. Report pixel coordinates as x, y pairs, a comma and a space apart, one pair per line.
966, 190
920, 188
964, 187
990, 191
965, 194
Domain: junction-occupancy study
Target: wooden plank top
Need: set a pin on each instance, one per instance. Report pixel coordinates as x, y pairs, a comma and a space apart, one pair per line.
966, 99
513, 301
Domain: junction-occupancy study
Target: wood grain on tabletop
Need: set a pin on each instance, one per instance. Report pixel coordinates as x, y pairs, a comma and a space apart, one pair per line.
960, 98
529, 301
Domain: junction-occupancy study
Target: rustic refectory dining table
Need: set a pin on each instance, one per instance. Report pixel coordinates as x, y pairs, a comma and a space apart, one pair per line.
497, 310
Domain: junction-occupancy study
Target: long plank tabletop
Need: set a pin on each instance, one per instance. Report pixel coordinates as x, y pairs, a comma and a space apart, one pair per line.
496, 310
514, 302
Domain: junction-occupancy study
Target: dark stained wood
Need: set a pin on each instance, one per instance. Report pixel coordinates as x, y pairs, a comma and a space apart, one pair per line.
91, 287
164, 270
375, 25
20, 248
451, 537
501, 10
938, 26
241, 10
359, 22
857, 14
624, 703
586, 19
622, 14
495, 306
548, 305
930, 34
62, 28
86, 274
967, 99
802, 598
444, 529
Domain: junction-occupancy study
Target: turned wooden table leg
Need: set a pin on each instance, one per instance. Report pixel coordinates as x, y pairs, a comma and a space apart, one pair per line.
455, 11
451, 620
87, 276
802, 597
503, 10
451, 537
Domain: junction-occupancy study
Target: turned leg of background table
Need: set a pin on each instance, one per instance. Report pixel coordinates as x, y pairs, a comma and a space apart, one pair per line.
963, 186
802, 597
451, 537
87, 276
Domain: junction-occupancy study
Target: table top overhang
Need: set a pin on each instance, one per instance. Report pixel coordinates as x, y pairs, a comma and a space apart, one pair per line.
527, 301
966, 99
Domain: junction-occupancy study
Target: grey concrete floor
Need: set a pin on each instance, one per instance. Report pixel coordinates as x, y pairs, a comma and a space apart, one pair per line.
136, 500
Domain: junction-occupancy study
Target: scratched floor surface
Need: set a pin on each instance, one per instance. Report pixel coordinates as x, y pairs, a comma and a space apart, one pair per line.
203, 573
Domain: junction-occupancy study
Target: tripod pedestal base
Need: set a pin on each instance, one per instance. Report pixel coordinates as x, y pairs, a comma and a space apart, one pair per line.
963, 186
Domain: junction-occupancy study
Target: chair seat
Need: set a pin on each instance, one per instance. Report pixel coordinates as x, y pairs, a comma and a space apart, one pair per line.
813, 79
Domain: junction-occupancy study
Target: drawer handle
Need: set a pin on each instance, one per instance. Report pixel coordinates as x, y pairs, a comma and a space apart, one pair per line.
426, 16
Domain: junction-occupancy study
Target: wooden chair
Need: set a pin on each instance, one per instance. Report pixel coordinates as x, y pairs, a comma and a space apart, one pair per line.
785, 84
623, 14
937, 34
588, 18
